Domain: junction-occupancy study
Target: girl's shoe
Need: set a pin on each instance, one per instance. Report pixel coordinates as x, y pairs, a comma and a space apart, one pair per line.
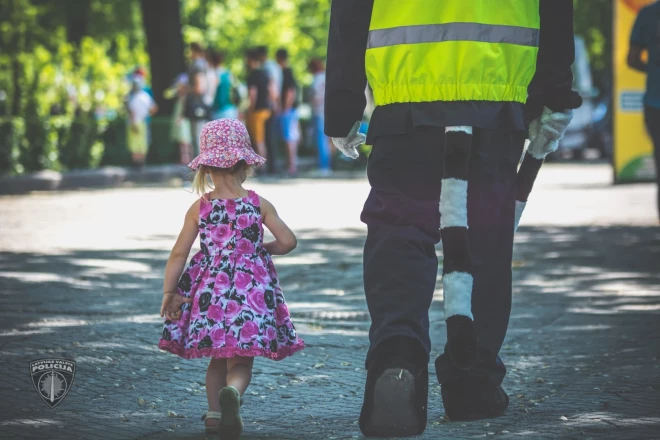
231, 424
212, 415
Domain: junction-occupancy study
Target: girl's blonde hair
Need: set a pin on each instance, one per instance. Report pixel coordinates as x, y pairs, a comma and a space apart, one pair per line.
202, 182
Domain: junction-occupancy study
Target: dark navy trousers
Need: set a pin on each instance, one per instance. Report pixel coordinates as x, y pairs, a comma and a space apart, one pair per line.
403, 220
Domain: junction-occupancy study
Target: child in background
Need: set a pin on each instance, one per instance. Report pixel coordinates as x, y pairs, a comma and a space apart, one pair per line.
140, 106
180, 132
227, 305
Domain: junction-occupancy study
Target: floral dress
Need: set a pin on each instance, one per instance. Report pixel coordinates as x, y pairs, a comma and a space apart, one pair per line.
238, 308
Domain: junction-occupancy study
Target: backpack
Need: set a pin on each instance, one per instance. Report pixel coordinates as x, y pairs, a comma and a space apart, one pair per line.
233, 94
195, 107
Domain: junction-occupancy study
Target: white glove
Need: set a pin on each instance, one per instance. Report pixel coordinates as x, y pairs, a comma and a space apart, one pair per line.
348, 145
546, 132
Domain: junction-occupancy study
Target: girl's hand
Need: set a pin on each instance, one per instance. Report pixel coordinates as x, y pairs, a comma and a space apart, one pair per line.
171, 306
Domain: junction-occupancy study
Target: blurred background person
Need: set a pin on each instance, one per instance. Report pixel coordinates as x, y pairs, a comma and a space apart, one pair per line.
180, 132
274, 72
289, 123
198, 100
141, 75
317, 69
273, 69
645, 36
259, 110
212, 79
140, 106
223, 105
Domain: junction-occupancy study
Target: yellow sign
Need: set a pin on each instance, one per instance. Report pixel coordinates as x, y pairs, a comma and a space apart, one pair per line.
633, 151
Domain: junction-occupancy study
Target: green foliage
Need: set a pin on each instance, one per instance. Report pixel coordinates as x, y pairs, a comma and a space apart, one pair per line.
115, 151
163, 150
73, 55
77, 146
67, 58
63, 65
12, 131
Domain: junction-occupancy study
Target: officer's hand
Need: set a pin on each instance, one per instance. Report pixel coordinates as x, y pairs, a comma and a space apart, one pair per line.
546, 132
348, 145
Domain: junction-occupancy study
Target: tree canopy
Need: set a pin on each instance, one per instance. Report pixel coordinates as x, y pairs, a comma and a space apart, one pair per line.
56, 49
64, 63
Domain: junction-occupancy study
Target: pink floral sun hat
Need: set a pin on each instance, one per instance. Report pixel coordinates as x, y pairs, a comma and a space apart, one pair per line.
223, 143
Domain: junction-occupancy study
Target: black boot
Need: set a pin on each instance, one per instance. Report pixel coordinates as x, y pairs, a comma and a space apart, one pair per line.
473, 398
396, 393
462, 342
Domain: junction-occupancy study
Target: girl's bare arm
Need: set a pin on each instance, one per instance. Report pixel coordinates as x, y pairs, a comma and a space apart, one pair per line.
179, 255
285, 240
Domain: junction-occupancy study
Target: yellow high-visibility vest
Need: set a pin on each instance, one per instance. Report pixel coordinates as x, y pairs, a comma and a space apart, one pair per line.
452, 50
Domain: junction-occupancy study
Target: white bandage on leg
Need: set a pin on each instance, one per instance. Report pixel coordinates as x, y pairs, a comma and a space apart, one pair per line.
453, 203
457, 288
464, 128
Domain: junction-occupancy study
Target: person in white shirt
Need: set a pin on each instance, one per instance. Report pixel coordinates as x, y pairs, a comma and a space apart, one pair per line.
140, 106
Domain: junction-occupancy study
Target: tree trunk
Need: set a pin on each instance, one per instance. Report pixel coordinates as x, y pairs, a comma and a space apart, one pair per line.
13, 12
77, 19
162, 25
17, 95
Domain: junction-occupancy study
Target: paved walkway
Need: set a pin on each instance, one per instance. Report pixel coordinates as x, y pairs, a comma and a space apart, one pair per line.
81, 274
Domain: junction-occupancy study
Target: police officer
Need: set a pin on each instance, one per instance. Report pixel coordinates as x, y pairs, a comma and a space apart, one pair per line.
490, 65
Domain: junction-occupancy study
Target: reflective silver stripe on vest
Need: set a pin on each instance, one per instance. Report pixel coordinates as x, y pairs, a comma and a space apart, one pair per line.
436, 33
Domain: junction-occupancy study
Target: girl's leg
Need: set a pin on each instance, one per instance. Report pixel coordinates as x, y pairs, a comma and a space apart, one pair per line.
239, 372
216, 379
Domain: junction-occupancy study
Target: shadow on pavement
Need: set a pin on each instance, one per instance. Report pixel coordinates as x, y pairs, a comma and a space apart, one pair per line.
582, 350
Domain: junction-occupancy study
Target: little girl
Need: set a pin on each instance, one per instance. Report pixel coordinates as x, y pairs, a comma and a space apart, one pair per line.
228, 304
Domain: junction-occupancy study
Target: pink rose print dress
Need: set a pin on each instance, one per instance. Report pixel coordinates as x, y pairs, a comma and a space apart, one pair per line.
238, 308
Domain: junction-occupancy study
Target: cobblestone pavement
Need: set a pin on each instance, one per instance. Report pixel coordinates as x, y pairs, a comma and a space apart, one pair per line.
81, 274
